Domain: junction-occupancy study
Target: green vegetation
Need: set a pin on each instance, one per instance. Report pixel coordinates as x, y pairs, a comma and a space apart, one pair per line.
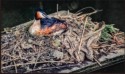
107, 31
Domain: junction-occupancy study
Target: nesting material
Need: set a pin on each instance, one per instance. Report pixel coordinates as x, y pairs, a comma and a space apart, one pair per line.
21, 52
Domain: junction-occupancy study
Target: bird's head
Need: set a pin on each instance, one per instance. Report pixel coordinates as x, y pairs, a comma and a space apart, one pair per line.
39, 14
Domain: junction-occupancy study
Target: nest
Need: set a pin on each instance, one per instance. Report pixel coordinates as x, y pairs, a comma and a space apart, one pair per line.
21, 52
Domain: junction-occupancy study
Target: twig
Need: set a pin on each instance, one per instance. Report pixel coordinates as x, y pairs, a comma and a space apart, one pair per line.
37, 63
3, 45
88, 14
68, 12
9, 55
119, 33
18, 43
14, 63
120, 46
72, 46
12, 60
97, 61
20, 54
93, 12
92, 33
84, 9
15, 66
81, 40
57, 9
90, 40
90, 50
36, 60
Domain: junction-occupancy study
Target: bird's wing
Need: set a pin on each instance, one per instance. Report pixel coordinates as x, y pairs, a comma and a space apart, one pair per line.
47, 22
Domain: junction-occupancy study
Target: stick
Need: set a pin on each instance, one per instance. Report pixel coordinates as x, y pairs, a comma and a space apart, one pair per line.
92, 33
84, 9
68, 12
9, 55
36, 60
14, 63
88, 14
97, 61
93, 12
81, 40
57, 9
37, 63
15, 66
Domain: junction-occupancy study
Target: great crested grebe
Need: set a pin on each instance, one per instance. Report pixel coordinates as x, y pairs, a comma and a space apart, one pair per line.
46, 26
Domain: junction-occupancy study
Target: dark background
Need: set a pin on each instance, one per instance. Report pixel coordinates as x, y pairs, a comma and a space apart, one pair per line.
15, 12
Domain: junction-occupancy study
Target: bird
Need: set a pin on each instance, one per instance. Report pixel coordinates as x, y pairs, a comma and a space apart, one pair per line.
46, 26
